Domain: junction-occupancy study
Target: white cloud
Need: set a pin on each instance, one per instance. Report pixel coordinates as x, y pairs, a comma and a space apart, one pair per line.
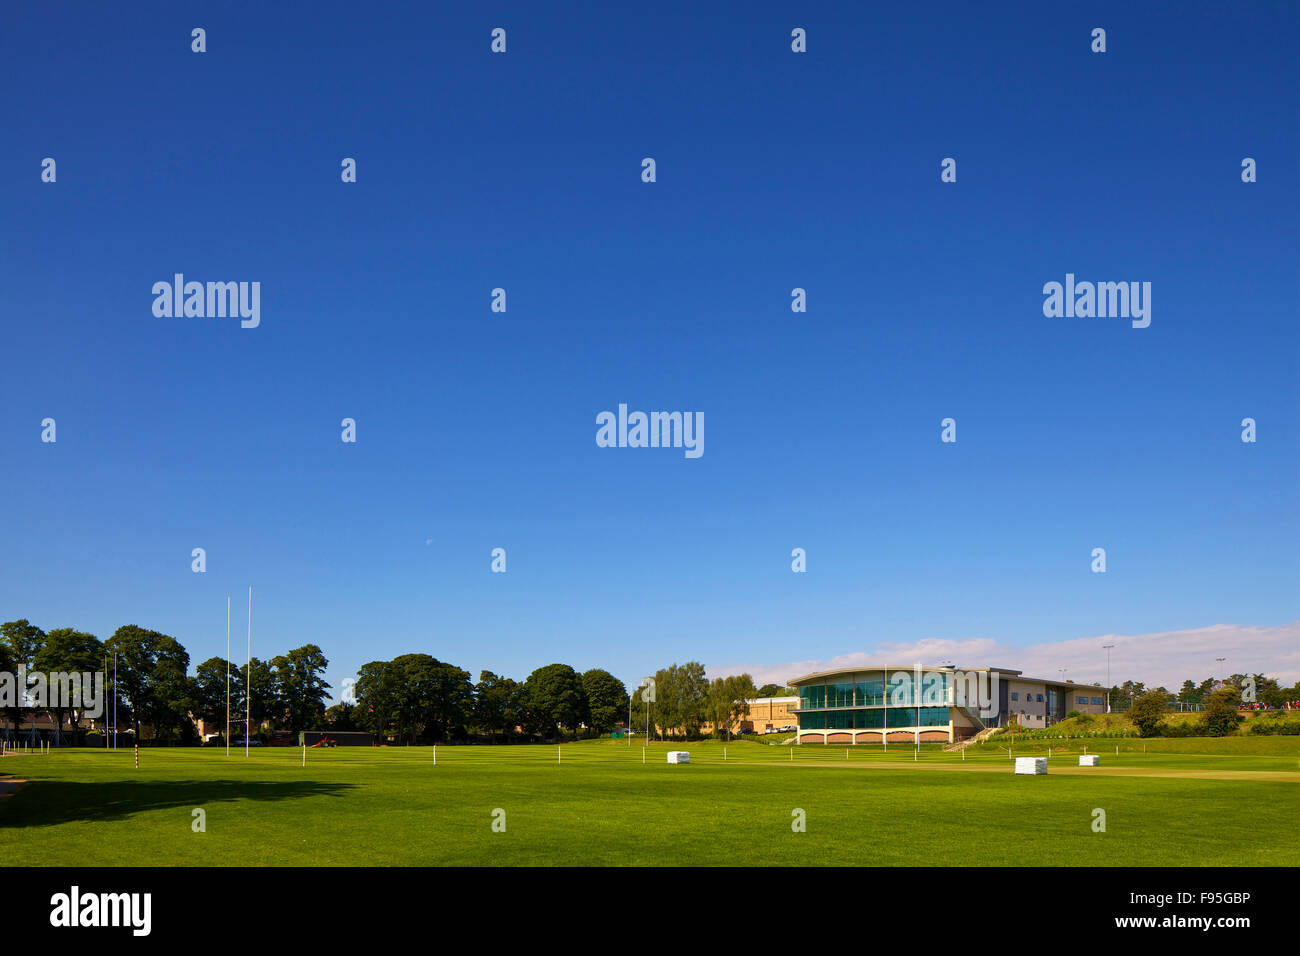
1167, 658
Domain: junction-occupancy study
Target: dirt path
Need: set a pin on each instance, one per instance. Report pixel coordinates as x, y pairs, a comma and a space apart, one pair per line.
9, 786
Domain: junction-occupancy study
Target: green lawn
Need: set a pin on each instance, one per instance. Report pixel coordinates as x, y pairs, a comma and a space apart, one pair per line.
1193, 802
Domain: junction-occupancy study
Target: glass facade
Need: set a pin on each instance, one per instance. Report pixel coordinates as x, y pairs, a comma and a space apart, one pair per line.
861, 703
874, 719
870, 693
839, 695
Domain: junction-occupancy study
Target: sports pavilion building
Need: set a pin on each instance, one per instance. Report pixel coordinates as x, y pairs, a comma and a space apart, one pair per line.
848, 706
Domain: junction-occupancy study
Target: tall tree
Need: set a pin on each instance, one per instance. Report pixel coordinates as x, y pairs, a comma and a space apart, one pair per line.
453, 702
1148, 710
7, 666
555, 699
339, 717
607, 699
683, 699
435, 697
379, 697
173, 698
67, 651
210, 692
256, 694
22, 640
727, 701
150, 671
498, 704
300, 686
1221, 717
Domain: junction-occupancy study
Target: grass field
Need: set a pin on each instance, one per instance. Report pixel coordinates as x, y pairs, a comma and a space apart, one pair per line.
1182, 802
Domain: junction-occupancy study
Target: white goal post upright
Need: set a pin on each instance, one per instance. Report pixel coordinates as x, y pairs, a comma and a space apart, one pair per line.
248, 675
227, 675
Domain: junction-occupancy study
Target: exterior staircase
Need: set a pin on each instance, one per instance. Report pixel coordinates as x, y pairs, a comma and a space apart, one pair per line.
979, 738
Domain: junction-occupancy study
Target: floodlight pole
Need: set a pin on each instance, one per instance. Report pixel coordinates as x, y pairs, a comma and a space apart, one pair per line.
916, 697
1108, 647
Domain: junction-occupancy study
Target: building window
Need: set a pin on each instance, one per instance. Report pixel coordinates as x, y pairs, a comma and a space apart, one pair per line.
870, 692
839, 695
812, 696
1015, 696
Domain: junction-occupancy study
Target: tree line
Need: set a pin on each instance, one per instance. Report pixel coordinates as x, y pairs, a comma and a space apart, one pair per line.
416, 697
682, 701
413, 697
151, 685
1266, 690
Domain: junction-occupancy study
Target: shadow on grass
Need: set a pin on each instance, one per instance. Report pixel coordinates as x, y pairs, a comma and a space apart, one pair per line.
51, 802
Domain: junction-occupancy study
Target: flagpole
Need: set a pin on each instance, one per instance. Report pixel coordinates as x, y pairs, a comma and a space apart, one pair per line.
248, 676
227, 676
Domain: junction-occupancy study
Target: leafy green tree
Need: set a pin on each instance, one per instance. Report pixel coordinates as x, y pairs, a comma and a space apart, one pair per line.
1204, 689
1148, 711
22, 640
606, 699
7, 666
379, 697
340, 717
681, 692
68, 651
209, 691
728, 700
742, 692
255, 696
1221, 716
640, 709
436, 699
151, 670
498, 704
172, 696
1267, 690
452, 702
661, 700
555, 699
300, 686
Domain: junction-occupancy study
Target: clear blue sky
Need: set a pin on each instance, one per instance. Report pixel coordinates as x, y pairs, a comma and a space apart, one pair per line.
477, 430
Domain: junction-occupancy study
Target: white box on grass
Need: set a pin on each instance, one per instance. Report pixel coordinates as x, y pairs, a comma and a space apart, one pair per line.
1089, 760
1031, 765
678, 756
